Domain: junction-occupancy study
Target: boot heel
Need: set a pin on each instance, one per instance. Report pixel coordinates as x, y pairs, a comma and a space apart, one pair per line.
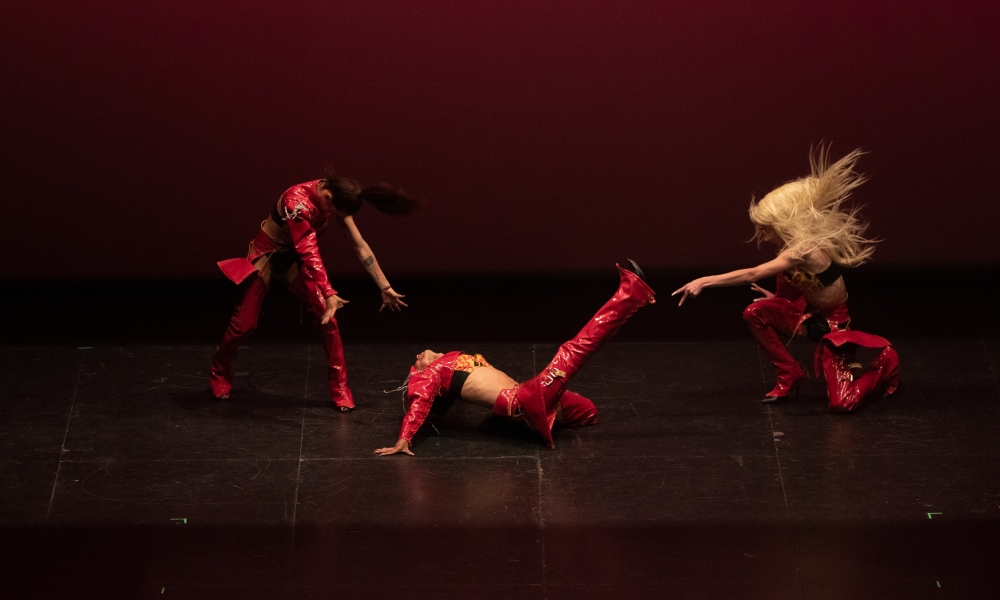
781, 392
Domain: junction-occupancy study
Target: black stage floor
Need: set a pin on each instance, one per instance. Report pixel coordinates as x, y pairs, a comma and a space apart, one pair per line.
122, 478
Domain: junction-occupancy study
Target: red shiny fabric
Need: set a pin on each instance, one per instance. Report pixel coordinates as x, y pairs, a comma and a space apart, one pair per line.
306, 216
241, 325
576, 410
836, 352
539, 396
421, 388
772, 321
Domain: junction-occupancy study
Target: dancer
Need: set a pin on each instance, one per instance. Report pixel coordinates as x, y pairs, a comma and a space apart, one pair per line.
818, 239
285, 248
543, 400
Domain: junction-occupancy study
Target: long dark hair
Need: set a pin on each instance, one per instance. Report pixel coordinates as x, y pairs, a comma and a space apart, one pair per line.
348, 195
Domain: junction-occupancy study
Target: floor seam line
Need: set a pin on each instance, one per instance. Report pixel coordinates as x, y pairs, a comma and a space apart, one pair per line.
781, 478
541, 520
62, 447
302, 436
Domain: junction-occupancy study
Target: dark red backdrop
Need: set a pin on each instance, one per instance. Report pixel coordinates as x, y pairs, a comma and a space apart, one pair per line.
148, 139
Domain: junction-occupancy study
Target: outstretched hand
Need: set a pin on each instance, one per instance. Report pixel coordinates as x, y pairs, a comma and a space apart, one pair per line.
766, 294
332, 304
393, 300
401, 446
692, 289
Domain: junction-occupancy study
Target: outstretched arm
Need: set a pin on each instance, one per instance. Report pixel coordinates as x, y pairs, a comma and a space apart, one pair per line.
782, 262
389, 296
422, 388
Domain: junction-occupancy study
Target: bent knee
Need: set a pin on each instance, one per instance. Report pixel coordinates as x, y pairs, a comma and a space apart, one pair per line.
752, 313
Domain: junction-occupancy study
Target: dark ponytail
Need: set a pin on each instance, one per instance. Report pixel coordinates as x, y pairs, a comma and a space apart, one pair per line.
389, 199
348, 196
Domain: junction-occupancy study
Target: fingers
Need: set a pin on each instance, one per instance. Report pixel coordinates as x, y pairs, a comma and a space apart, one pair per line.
393, 304
393, 450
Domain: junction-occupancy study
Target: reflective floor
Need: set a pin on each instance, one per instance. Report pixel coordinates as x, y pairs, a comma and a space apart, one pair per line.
121, 477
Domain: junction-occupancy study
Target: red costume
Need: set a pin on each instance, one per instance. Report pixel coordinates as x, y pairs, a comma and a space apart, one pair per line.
537, 399
785, 314
285, 246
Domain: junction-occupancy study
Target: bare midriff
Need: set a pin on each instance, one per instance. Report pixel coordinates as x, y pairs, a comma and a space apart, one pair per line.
484, 384
818, 261
835, 293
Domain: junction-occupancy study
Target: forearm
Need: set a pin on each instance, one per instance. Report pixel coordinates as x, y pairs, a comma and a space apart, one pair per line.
370, 263
732, 278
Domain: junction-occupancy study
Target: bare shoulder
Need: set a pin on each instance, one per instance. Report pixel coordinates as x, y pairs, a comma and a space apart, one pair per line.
816, 261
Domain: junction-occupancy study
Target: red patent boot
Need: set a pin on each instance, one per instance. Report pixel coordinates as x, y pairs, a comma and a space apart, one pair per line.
241, 325
787, 386
887, 366
842, 390
539, 396
632, 294
765, 318
576, 410
336, 367
845, 391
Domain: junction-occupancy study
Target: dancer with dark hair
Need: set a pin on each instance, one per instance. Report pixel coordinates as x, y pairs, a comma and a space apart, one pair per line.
818, 240
286, 247
543, 400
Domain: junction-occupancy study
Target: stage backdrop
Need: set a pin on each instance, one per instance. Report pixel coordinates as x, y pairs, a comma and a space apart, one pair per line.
149, 139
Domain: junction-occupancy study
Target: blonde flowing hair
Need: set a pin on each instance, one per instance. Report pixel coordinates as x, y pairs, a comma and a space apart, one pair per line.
809, 213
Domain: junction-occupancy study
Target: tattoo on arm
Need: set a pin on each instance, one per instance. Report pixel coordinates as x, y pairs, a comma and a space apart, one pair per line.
368, 261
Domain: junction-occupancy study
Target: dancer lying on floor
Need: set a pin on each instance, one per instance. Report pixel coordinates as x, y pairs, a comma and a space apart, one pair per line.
286, 248
542, 400
818, 240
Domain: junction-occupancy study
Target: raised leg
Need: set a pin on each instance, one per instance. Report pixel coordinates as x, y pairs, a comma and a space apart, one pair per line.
539, 396
241, 325
768, 320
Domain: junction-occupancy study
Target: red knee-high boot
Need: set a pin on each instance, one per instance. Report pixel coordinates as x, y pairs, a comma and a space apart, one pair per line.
576, 410
332, 346
834, 356
539, 396
336, 366
766, 318
241, 325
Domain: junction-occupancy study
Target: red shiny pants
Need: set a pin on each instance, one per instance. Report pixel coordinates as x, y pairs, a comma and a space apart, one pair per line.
846, 389
541, 396
774, 320
244, 322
